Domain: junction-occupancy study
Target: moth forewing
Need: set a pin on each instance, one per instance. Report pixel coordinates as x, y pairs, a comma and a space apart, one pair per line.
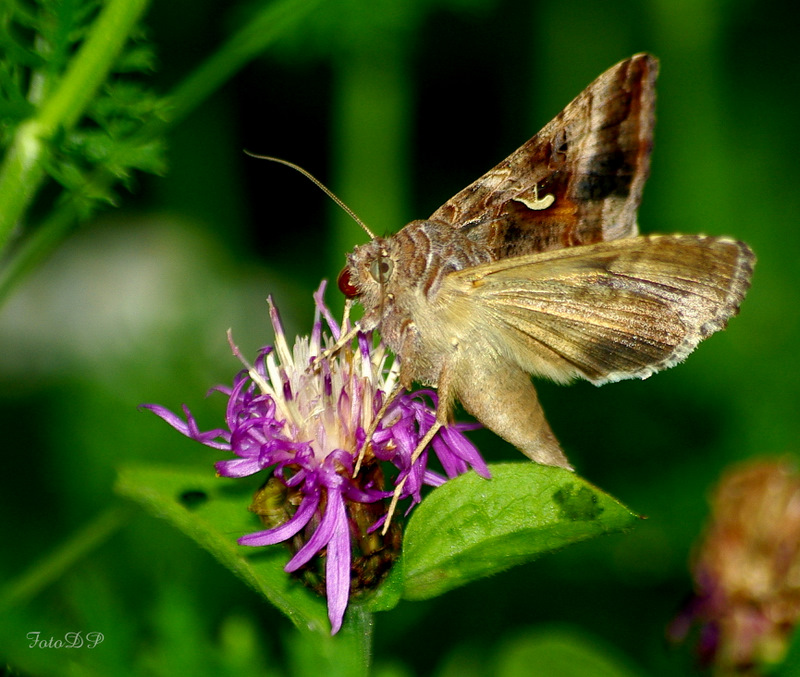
609, 311
588, 165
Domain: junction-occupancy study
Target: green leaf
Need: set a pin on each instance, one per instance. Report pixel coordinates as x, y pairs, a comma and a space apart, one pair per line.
213, 511
471, 527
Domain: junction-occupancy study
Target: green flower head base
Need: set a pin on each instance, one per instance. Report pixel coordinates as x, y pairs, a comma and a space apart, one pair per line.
303, 414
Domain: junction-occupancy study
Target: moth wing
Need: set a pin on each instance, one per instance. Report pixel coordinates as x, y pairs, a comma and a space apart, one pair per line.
592, 160
607, 311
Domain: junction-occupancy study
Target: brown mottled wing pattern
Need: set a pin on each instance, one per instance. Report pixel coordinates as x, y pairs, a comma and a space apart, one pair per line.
611, 310
593, 158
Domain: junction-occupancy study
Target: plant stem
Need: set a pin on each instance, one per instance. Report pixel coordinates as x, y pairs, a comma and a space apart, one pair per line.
45, 238
248, 42
347, 654
52, 567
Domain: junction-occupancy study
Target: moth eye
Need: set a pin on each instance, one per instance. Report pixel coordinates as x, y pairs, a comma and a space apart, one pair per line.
381, 269
346, 285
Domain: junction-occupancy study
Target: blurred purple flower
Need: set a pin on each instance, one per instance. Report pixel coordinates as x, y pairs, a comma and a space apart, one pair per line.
746, 570
305, 413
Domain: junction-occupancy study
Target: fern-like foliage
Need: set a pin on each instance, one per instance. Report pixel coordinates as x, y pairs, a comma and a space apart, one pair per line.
109, 139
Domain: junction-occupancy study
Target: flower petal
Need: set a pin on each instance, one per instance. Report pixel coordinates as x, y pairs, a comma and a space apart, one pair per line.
322, 536
337, 568
238, 467
189, 427
320, 305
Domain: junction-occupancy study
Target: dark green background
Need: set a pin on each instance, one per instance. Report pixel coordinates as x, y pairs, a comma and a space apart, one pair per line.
397, 106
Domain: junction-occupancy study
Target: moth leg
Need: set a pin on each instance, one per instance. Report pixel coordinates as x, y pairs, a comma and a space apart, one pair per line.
399, 488
446, 396
503, 398
374, 425
345, 337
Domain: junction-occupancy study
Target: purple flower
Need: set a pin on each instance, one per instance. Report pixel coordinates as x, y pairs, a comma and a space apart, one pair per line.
305, 413
746, 569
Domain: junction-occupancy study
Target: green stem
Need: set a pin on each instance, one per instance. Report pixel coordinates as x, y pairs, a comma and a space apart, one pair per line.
20, 178
53, 566
90, 67
259, 32
23, 168
347, 654
45, 238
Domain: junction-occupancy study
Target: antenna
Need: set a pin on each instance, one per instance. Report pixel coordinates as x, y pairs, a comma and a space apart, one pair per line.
319, 185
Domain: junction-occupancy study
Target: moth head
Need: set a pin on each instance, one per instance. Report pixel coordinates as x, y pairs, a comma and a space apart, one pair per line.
370, 269
380, 272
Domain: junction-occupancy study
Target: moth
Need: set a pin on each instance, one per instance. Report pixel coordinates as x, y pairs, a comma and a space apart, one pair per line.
537, 268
